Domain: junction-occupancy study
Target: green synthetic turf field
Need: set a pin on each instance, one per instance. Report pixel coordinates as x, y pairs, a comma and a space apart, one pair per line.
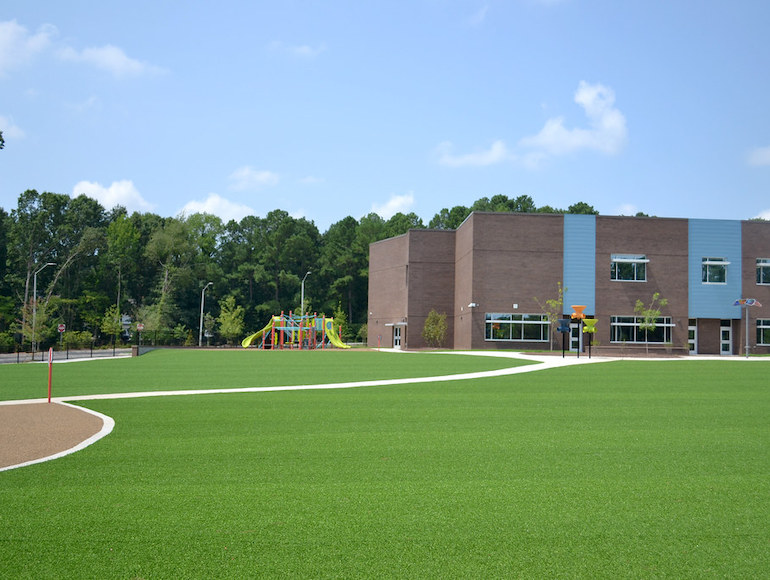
625, 469
164, 370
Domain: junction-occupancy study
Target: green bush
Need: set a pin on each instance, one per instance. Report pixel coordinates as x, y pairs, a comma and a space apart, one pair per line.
7, 343
77, 339
435, 329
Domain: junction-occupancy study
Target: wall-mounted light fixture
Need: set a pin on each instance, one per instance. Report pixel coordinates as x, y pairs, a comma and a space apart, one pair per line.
472, 305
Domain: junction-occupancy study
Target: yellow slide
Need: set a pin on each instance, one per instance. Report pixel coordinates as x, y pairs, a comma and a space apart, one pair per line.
332, 335
249, 340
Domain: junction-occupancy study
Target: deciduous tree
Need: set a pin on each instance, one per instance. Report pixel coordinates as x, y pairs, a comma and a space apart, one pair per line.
230, 319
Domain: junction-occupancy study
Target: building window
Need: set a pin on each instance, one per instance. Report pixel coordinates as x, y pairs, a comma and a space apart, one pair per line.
763, 331
763, 270
628, 267
628, 329
517, 327
715, 270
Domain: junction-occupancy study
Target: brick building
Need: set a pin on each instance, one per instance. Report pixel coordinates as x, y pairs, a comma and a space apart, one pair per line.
491, 275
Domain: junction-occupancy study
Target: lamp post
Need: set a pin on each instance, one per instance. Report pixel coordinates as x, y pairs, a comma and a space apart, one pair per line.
745, 303
200, 331
34, 305
302, 300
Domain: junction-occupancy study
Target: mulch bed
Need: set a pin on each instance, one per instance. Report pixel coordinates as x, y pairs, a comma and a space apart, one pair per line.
35, 430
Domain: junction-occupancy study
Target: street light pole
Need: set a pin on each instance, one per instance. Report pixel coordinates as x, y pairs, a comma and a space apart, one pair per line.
302, 300
200, 332
34, 305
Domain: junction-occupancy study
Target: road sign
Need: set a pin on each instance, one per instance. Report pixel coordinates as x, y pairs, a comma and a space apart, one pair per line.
62, 327
140, 327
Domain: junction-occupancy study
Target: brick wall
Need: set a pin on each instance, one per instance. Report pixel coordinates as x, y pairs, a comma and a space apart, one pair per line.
388, 260
756, 244
516, 259
664, 242
431, 281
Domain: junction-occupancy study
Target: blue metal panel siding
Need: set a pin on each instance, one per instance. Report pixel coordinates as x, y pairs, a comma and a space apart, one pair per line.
579, 278
714, 239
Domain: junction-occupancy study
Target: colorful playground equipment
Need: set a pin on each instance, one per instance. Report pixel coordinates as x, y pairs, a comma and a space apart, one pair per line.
308, 331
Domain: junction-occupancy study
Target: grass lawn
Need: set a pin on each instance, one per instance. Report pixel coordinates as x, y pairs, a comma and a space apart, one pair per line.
625, 469
163, 370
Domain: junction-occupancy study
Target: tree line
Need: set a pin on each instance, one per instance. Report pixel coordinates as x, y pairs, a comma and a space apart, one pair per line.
101, 272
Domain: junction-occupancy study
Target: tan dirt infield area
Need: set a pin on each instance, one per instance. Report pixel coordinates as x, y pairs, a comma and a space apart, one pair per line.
35, 430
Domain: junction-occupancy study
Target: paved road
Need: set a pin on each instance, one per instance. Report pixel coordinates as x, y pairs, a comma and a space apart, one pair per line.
63, 355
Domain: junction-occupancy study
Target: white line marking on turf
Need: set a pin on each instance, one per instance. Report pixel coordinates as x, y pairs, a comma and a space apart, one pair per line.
545, 362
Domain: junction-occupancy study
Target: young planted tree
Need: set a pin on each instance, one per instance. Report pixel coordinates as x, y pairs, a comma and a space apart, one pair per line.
35, 322
435, 329
341, 322
209, 324
111, 323
649, 314
553, 309
230, 320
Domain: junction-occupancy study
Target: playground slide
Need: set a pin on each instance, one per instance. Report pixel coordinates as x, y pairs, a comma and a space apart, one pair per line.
277, 324
249, 340
334, 338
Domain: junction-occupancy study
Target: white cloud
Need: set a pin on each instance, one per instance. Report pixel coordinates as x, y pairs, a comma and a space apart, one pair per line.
119, 193
759, 156
18, 46
497, 153
627, 209
396, 204
299, 214
765, 215
607, 131
247, 178
298, 50
10, 131
218, 206
111, 59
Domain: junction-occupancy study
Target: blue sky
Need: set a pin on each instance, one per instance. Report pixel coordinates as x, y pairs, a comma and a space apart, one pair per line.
331, 108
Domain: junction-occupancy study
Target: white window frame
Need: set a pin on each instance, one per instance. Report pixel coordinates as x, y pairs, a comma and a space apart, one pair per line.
763, 271
707, 264
634, 260
511, 319
638, 335
763, 329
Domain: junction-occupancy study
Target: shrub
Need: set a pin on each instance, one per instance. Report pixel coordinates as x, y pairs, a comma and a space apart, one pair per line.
7, 343
435, 329
77, 339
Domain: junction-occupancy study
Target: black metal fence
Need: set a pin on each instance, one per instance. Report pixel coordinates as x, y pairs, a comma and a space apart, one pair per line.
21, 356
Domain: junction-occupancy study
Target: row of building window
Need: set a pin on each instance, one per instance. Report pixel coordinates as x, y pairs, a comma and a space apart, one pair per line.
623, 329
763, 331
633, 268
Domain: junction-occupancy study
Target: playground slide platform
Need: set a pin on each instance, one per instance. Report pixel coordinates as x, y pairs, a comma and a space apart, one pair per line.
331, 334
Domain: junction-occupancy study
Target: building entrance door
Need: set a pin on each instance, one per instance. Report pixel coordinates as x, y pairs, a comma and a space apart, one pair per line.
397, 337
726, 337
692, 336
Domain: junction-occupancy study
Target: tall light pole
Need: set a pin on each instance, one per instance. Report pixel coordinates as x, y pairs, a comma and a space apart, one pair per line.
34, 305
302, 300
200, 332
